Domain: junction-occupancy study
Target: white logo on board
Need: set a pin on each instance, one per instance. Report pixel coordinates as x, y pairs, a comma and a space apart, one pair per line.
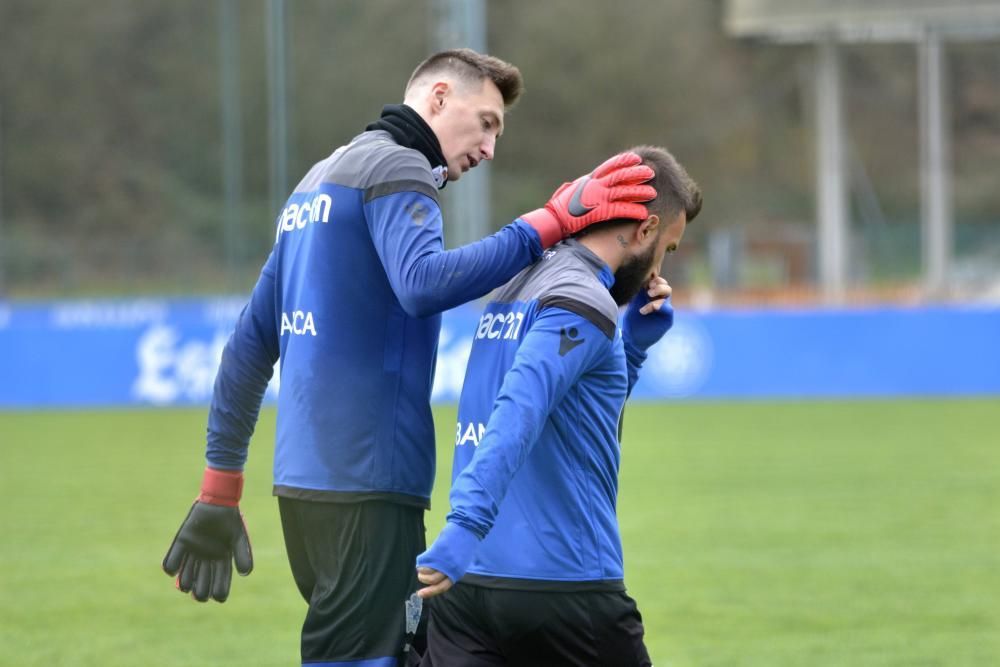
452, 358
172, 370
680, 363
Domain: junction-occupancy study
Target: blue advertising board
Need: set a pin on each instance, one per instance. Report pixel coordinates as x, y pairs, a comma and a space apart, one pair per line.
167, 351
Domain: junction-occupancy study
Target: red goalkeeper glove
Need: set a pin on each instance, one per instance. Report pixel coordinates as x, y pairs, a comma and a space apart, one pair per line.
612, 191
212, 536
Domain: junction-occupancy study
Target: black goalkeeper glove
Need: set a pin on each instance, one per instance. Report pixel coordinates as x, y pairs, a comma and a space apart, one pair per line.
212, 536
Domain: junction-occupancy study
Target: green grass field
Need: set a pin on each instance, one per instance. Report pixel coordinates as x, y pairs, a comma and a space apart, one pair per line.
847, 533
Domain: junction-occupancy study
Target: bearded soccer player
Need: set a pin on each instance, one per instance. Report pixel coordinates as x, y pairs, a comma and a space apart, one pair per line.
532, 538
349, 300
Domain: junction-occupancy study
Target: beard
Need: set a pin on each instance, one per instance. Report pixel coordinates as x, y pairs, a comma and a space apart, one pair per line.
631, 276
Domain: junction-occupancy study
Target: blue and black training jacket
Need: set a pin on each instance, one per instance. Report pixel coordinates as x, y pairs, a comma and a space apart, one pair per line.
535, 473
349, 300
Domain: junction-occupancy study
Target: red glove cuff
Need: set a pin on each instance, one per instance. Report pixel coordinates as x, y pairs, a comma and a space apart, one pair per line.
547, 226
221, 487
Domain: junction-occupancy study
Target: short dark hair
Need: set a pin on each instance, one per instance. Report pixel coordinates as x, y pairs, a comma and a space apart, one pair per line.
675, 190
473, 67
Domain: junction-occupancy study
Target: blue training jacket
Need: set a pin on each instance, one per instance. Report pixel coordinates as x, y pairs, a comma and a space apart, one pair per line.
349, 300
535, 475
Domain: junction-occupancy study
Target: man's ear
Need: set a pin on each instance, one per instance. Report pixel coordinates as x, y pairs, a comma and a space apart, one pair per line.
647, 229
438, 95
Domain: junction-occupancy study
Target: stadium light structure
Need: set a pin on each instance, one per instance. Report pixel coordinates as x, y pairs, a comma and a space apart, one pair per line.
828, 23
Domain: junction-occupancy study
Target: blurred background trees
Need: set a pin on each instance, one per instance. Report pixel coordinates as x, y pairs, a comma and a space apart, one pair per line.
111, 134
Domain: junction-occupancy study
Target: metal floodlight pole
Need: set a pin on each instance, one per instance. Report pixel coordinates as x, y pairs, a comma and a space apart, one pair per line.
462, 23
831, 190
277, 105
232, 136
935, 175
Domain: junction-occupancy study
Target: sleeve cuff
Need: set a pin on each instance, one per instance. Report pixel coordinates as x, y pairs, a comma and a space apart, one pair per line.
221, 487
546, 225
452, 552
531, 235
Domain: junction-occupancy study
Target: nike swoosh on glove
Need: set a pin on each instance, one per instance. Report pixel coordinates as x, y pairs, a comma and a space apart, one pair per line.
615, 190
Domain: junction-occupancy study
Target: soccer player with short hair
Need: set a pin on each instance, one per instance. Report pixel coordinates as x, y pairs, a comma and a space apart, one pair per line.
532, 538
349, 301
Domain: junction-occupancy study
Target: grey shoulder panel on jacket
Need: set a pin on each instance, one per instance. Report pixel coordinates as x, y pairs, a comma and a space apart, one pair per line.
376, 164
564, 278
586, 297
